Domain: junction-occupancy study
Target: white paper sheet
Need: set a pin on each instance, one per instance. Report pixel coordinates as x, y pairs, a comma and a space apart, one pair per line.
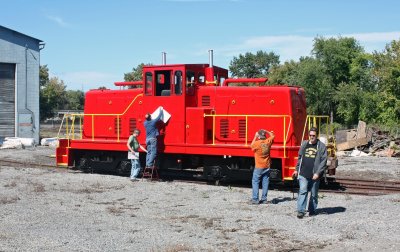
157, 112
133, 155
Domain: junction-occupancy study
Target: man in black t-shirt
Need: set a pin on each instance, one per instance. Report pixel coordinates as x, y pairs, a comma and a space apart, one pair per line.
310, 166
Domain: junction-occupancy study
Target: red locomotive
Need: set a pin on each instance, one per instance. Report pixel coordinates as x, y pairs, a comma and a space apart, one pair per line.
211, 126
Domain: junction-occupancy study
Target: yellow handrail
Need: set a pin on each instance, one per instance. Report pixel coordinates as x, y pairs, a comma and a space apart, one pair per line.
311, 121
285, 131
71, 130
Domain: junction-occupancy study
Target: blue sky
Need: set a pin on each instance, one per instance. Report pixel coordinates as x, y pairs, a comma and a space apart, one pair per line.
93, 43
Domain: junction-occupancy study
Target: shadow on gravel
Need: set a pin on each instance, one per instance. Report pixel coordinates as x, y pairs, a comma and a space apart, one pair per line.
281, 199
331, 210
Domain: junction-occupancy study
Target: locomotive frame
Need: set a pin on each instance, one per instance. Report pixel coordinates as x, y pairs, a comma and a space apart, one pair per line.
211, 126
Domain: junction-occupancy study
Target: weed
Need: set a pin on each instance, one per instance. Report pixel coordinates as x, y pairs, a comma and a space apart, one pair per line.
347, 197
178, 248
11, 184
115, 210
267, 231
8, 200
38, 187
204, 195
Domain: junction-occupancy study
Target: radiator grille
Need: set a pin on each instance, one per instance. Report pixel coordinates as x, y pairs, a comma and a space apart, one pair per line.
117, 125
224, 128
132, 125
242, 128
205, 100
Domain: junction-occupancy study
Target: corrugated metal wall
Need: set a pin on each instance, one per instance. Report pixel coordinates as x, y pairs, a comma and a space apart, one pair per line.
19, 84
7, 100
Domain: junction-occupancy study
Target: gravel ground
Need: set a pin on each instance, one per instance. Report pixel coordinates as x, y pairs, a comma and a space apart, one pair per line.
63, 210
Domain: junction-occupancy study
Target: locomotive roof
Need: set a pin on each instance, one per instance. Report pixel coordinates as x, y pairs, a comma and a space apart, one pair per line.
183, 65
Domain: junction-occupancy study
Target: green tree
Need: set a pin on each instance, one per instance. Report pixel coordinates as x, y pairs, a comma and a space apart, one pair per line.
337, 55
75, 100
43, 75
253, 65
284, 74
308, 73
52, 97
344, 65
349, 98
387, 72
137, 73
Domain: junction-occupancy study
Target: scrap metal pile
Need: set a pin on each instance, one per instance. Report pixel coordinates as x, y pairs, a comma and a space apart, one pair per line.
368, 141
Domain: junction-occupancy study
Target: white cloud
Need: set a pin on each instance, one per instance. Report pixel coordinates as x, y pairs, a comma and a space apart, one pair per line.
58, 20
375, 36
294, 46
87, 80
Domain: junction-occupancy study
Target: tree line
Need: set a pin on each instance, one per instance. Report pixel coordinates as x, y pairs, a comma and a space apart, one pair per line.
340, 79
54, 96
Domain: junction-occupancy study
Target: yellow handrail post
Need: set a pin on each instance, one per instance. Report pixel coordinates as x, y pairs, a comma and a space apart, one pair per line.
319, 128
80, 125
67, 130
92, 127
246, 130
73, 127
118, 128
284, 137
213, 129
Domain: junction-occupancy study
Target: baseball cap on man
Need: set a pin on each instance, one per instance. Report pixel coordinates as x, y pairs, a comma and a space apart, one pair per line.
261, 134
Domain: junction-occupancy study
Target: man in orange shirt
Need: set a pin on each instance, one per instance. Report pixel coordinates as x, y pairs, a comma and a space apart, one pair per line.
261, 146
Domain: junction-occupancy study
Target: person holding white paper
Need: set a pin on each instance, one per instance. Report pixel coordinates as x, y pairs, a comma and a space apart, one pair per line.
151, 136
133, 154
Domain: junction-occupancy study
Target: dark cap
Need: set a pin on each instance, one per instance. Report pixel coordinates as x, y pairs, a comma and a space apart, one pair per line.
148, 116
261, 134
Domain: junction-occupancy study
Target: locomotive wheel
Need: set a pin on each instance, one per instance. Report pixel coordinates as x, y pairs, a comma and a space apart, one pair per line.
84, 165
124, 167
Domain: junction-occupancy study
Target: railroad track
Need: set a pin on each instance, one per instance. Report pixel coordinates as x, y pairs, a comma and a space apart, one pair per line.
14, 163
363, 187
335, 185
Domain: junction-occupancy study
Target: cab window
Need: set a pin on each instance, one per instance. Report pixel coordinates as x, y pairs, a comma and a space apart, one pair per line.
163, 83
190, 82
148, 84
178, 82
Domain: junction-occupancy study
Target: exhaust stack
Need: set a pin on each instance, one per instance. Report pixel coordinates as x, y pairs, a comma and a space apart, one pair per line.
210, 58
163, 58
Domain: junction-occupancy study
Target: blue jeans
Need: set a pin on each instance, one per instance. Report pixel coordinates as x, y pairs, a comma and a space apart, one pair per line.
135, 168
263, 175
151, 144
307, 185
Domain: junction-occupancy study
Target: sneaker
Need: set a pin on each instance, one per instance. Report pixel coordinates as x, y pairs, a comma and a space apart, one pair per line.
312, 214
300, 215
264, 202
134, 179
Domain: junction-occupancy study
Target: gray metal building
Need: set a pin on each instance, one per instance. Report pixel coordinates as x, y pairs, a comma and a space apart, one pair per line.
19, 84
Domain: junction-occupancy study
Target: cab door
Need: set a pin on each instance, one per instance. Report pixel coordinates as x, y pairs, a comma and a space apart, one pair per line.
168, 93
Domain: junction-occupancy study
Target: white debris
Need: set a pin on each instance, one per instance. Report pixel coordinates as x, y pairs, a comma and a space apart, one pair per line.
357, 153
51, 141
17, 143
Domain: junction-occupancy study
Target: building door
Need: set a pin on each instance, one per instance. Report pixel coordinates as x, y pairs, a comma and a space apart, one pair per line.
7, 100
